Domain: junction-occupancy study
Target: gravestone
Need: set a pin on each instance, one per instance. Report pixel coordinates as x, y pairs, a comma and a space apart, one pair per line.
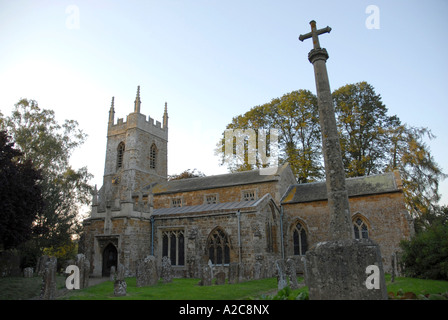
281, 274
40, 265
210, 264
84, 270
112, 273
291, 273
220, 278
206, 278
120, 285
258, 269
234, 276
167, 270
28, 272
335, 269
147, 272
48, 289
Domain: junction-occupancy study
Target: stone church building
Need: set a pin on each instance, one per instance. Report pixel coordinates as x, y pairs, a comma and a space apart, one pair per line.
243, 217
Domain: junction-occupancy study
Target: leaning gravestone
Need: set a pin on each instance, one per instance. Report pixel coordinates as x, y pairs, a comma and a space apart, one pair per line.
292, 274
48, 289
281, 274
234, 273
147, 272
120, 285
167, 270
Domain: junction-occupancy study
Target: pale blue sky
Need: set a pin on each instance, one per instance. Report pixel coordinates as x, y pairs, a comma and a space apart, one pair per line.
212, 60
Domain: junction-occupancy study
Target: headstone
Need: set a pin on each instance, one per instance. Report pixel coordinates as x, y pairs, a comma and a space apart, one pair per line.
281, 274
84, 270
392, 274
48, 289
210, 264
234, 273
113, 272
167, 270
206, 278
258, 269
40, 266
28, 272
334, 271
120, 288
292, 274
220, 278
120, 285
147, 272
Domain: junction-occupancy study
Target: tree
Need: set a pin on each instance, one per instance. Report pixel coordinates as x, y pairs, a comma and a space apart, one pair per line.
20, 195
49, 145
186, 175
420, 172
295, 116
364, 126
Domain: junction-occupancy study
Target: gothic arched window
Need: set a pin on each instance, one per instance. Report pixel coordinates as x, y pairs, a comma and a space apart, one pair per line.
173, 246
153, 156
218, 247
120, 154
299, 240
360, 228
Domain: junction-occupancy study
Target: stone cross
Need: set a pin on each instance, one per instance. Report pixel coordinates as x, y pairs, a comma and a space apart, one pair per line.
340, 223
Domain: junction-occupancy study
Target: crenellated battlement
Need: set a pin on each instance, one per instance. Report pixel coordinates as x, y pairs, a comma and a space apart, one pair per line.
138, 120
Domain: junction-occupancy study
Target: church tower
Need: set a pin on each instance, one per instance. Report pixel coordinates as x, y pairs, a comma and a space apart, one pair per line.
136, 153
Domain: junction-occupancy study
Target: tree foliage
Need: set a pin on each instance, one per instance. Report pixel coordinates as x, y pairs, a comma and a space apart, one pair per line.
186, 175
20, 195
49, 145
372, 141
295, 116
426, 254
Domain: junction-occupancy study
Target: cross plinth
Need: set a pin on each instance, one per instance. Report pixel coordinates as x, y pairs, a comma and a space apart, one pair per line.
340, 222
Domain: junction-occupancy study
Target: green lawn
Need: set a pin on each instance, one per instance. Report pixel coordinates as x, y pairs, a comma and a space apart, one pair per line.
187, 289
179, 289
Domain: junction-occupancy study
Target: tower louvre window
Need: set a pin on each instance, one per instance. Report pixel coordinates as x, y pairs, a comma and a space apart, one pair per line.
120, 153
153, 156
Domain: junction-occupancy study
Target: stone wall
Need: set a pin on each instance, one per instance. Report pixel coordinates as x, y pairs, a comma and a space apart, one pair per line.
386, 217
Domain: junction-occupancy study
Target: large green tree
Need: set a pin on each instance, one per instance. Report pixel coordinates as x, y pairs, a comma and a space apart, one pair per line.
49, 145
295, 116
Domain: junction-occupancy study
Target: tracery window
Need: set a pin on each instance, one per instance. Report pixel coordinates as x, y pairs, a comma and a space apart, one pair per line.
173, 246
218, 247
120, 154
360, 229
153, 156
300, 240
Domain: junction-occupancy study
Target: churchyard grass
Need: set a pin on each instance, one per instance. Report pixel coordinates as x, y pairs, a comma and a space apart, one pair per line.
20, 288
17, 288
179, 289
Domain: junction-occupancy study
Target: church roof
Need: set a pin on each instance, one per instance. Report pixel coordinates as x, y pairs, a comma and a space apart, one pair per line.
216, 181
358, 186
216, 207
